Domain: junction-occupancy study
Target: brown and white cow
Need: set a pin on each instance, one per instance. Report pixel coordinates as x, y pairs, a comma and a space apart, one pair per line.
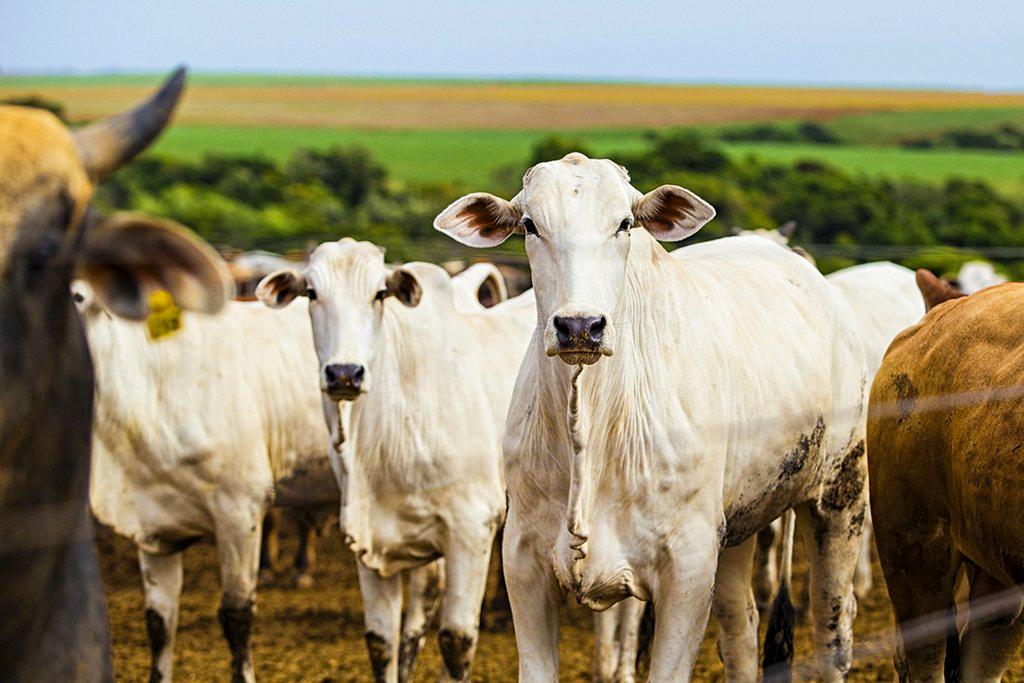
945, 431
54, 622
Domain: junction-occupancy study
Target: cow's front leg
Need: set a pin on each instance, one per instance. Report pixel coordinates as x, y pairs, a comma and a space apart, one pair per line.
238, 552
161, 580
466, 563
382, 612
535, 598
425, 588
736, 612
682, 603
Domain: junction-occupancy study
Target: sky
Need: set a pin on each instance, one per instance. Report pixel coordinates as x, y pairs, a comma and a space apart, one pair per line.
898, 43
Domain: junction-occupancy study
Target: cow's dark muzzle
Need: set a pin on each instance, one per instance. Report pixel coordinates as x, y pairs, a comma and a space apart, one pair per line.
344, 381
580, 334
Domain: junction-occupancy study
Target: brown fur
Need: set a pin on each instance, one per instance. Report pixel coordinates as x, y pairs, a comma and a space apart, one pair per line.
934, 290
945, 459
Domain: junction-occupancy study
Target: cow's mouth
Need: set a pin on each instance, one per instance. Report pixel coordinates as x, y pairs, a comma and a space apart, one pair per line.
344, 394
579, 356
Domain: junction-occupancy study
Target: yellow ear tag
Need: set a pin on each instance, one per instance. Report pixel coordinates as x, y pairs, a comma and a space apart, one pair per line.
164, 315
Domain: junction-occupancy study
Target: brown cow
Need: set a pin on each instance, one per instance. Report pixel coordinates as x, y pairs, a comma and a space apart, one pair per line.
53, 622
945, 431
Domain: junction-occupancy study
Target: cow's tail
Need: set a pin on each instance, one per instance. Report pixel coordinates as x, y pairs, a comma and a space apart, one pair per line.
778, 639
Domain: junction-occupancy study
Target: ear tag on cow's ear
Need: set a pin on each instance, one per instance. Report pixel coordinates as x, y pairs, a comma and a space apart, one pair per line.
164, 315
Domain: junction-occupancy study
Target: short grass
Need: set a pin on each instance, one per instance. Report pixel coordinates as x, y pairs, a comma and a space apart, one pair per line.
470, 157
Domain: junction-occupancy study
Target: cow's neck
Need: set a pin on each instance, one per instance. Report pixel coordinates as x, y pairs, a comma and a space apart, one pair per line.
391, 423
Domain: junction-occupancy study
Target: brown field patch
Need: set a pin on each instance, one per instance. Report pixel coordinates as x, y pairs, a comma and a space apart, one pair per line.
401, 104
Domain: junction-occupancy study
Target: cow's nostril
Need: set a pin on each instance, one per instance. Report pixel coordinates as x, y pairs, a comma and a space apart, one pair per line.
562, 326
580, 332
597, 327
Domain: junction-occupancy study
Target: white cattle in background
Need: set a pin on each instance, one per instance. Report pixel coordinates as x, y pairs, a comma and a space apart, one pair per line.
886, 300
197, 434
478, 287
429, 384
977, 275
668, 409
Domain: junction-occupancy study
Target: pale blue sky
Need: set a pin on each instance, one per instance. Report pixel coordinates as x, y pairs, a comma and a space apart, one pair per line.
967, 44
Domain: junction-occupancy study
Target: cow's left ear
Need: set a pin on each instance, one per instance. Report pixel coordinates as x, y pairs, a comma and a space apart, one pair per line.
128, 257
404, 286
672, 213
280, 288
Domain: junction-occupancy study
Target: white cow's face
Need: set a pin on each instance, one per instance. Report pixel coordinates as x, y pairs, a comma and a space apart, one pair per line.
578, 215
348, 286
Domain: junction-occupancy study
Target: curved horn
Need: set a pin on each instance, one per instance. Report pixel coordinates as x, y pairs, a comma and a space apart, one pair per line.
107, 145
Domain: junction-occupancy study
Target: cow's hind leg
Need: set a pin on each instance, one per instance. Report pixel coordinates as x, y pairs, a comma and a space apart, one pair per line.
466, 563
270, 545
425, 586
382, 611
736, 612
862, 579
766, 573
305, 552
994, 632
161, 581
238, 549
831, 529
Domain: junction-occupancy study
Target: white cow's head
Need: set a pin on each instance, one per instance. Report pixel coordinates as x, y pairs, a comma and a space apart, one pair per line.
348, 286
577, 215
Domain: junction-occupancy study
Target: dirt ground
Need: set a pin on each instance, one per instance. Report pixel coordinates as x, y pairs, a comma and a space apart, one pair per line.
317, 634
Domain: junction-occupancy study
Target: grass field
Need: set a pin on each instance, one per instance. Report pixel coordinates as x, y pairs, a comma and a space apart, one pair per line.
443, 130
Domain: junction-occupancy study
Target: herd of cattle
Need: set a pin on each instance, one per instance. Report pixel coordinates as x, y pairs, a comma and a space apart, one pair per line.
643, 424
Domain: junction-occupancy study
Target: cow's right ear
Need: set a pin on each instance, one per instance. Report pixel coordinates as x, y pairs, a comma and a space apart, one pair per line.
934, 290
479, 220
280, 288
128, 257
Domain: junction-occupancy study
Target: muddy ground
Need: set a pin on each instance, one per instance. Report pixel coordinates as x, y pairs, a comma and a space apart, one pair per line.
317, 634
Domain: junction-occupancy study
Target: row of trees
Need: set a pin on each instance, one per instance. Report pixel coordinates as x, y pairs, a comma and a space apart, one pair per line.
252, 202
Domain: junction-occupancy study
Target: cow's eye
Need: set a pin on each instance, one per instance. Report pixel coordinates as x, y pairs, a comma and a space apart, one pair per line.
380, 295
625, 225
528, 226
311, 293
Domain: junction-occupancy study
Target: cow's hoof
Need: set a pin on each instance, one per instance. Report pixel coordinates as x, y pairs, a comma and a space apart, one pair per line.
303, 580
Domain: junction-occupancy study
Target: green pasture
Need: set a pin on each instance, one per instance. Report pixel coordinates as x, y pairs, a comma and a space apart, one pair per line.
471, 156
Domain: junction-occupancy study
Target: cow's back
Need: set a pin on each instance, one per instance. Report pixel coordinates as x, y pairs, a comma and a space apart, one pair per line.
885, 299
945, 427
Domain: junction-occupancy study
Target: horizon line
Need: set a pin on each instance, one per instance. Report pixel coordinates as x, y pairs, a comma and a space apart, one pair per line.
17, 73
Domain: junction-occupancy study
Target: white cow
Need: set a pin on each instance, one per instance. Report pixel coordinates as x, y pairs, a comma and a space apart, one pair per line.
667, 409
197, 434
429, 385
977, 275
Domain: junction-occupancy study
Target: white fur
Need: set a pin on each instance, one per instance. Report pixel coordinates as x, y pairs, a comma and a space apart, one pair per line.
977, 275
714, 366
198, 433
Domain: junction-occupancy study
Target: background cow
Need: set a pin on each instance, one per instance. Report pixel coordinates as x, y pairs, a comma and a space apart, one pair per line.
423, 458
54, 624
195, 439
667, 409
944, 437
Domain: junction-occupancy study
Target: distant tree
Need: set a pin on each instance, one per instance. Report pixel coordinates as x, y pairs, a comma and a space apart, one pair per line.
350, 173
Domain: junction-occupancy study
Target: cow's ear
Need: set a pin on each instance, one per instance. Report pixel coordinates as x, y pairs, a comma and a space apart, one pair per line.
933, 290
280, 288
128, 257
479, 220
404, 286
672, 213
